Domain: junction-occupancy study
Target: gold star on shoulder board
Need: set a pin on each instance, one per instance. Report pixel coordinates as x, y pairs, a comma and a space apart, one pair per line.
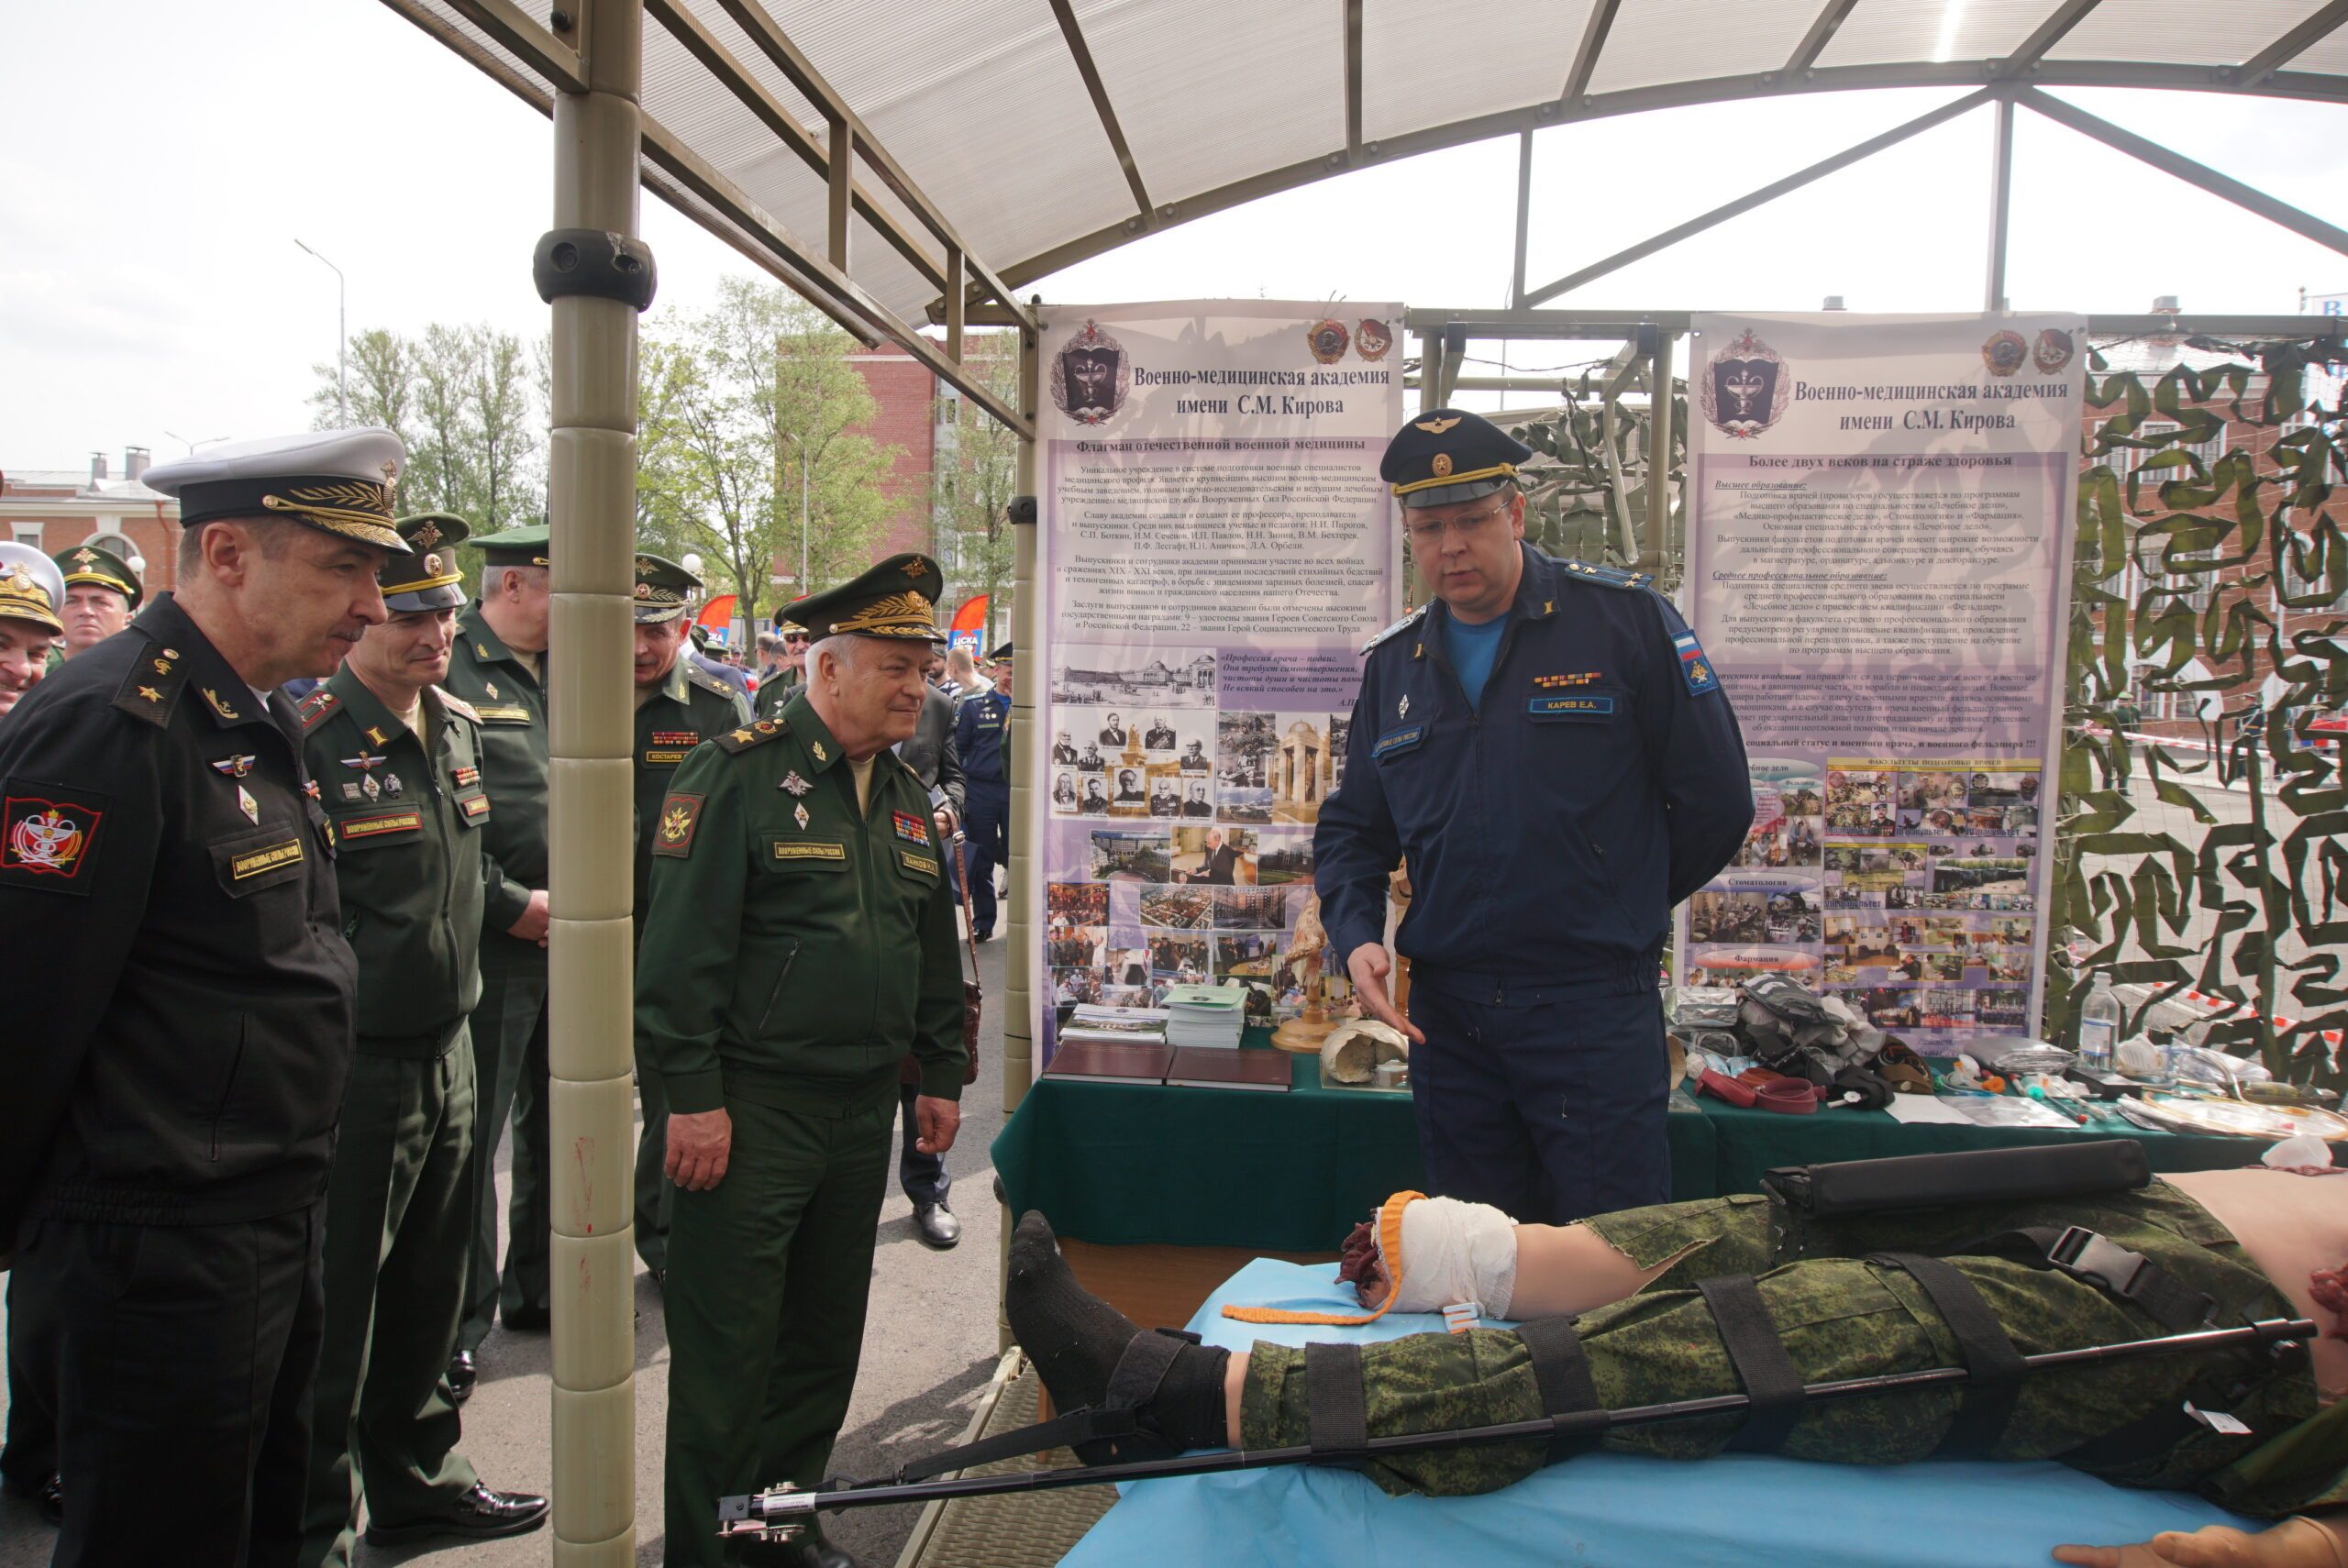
151, 694
740, 735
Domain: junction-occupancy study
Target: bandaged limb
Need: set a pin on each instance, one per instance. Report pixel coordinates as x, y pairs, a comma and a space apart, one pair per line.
1419, 1255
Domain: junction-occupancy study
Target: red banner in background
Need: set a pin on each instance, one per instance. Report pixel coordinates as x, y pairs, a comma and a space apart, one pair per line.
717, 615
968, 627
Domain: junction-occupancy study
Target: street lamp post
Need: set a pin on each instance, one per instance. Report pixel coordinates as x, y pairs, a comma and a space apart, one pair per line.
342, 338
191, 446
802, 442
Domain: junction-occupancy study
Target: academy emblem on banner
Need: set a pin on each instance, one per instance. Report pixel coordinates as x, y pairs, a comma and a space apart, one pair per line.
1744, 387
1092, 377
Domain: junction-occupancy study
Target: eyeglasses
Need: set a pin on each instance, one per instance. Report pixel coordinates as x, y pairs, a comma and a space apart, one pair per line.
1427, 531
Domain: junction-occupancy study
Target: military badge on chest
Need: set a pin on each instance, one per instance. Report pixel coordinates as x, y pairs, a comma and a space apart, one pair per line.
367, 787
910, 828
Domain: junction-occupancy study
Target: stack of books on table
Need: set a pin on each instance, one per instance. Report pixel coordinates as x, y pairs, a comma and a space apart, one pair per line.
1214, 1066
1206, 1016
1112, 1045
1115, 1025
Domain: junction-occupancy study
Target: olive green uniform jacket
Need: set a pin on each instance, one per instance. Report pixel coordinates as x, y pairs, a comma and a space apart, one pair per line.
792, 952
690, 707
514, 763
776, 694
408, 827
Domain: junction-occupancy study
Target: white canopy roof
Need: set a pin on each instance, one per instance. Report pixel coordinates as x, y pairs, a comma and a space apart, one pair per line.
1038, 132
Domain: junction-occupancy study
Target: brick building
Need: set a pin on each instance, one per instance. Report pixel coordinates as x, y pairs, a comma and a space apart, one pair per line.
2173, 715
907, 417
919, 414
53, 509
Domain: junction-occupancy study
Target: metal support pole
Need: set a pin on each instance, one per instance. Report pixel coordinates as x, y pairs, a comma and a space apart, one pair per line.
341, 338
590, 501
1027, 638
1652, 557
2002, 190
1523, 213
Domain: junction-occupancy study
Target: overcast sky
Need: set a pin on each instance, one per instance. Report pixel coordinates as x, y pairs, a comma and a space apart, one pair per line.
159, 160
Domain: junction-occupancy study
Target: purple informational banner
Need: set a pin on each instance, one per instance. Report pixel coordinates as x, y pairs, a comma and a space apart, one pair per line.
1214, 546
1879, 554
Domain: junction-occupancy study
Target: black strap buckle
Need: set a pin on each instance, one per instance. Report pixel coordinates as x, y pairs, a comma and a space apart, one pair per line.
2088, 1256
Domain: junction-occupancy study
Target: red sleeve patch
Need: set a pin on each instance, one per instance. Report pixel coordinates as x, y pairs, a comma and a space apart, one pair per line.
680, 820
48, 836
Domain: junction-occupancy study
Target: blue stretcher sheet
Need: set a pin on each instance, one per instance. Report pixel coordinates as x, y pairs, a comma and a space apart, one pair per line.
1608, 1510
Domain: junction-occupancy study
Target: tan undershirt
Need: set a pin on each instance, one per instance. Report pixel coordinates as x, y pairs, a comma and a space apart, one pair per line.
861, 767
2290, 1226
533, 662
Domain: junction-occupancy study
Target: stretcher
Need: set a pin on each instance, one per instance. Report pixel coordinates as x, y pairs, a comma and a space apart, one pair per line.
1606, 1510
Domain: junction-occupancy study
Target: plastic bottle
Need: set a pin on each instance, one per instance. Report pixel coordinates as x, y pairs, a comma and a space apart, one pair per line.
2098, 1026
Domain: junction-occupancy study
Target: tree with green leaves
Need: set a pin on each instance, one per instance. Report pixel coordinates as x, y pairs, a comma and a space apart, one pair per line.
468, 404
737, 404
976, 476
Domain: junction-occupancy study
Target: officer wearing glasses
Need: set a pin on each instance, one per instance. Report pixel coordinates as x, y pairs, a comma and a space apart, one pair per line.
777, 689
1548, 750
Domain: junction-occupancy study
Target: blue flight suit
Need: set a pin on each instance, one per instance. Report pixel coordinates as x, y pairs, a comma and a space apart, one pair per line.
1548, 833
979, 727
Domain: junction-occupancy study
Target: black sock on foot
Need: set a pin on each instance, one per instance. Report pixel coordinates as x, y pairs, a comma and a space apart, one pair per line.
1075, 1339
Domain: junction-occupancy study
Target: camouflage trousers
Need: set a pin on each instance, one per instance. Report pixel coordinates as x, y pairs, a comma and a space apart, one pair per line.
1839, 1316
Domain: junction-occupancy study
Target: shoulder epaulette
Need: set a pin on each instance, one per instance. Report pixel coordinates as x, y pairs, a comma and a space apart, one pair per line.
757, 733
152, 685
1408, 621
315, 709
699, 677
455, 704
1612, 576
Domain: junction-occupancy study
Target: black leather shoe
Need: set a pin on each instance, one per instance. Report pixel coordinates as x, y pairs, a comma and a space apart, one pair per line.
527, 1320
480, 1514
935, 1225
47, 1494
462, 1376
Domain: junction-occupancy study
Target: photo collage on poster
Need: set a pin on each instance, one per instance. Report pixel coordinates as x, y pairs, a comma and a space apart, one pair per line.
1179, 832
1902, 886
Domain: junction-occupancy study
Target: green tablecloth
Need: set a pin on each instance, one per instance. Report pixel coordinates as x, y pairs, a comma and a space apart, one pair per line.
1122, 1163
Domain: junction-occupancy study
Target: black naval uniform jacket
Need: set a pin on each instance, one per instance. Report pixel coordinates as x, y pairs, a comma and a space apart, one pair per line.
181, 1029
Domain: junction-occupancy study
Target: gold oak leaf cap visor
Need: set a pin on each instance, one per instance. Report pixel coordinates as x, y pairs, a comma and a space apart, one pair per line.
31, 588
337, 481
428, 578
1445, 456
663, 590
897, 598
93, 566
